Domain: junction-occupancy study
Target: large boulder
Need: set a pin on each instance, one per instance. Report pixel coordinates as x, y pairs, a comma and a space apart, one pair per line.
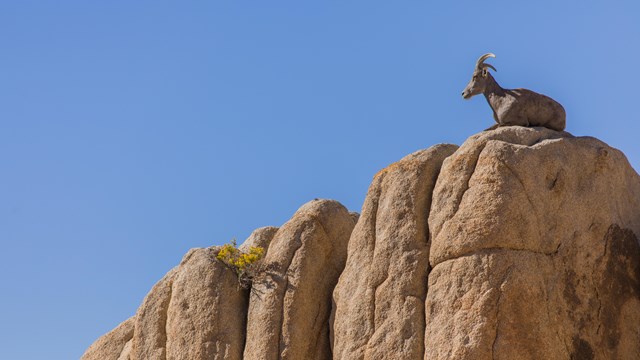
379, 300
114, 345
260, 237
534, 250
206, 312
196, 311
290, 302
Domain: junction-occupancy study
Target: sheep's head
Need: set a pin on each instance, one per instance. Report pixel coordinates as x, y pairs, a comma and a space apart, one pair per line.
480, 77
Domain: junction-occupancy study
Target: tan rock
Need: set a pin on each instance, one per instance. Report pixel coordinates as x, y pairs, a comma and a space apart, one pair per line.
525, 247
379, 299
533, 250
207, 311
112, 345
197, 311
290, 303
150, 337
126, 351
260, 237
487, 306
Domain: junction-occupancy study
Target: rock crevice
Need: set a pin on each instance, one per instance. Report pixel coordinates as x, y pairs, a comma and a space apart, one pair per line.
383, 285
306, 257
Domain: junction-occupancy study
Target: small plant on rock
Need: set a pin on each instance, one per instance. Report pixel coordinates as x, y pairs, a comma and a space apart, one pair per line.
242, 263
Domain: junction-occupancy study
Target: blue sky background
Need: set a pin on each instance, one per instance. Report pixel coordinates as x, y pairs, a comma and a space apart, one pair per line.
131, 131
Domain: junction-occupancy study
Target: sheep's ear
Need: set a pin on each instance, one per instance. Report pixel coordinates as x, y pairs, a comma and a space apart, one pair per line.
484, 72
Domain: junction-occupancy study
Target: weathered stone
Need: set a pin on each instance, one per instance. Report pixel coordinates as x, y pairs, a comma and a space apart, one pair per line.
113, 344
478, 189
291, 302
207, 311
150, 336
525, 247
126, 351
379, 300
196, 311
260, 237
533, 250
497, 309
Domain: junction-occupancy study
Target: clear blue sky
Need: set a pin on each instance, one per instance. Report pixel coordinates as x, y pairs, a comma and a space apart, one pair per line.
131, 131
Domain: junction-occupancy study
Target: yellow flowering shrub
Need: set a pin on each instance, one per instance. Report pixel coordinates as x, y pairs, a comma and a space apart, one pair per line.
241, 262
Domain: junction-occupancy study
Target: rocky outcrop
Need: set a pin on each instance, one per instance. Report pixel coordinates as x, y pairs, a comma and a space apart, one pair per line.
260, 237
533, 250
196, 311
114, 345
379, 300
291, 301
199, 311
206, 312
520, 244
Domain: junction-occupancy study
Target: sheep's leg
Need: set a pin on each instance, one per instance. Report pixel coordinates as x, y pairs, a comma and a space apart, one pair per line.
515, 121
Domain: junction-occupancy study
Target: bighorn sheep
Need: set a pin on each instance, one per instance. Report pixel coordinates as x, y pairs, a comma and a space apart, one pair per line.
514, 107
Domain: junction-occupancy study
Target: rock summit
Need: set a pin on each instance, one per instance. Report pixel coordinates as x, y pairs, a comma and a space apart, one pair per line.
522, 243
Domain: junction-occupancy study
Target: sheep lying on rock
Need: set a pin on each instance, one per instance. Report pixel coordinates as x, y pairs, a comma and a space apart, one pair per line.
514, 107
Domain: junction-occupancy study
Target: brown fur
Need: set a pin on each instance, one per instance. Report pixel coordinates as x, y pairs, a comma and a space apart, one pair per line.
515, 106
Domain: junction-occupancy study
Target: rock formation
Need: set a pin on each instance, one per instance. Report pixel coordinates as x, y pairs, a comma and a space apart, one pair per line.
115, 345
520, 244
291, 303
260, 238
197, 311
379, 300
533, 250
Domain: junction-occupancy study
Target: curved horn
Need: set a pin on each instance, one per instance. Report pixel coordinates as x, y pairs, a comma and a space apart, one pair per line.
483, 58
488, 66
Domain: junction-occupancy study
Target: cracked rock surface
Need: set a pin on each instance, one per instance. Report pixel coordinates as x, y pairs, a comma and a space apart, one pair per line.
379, 300
196, 311
523, 226
290, 303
